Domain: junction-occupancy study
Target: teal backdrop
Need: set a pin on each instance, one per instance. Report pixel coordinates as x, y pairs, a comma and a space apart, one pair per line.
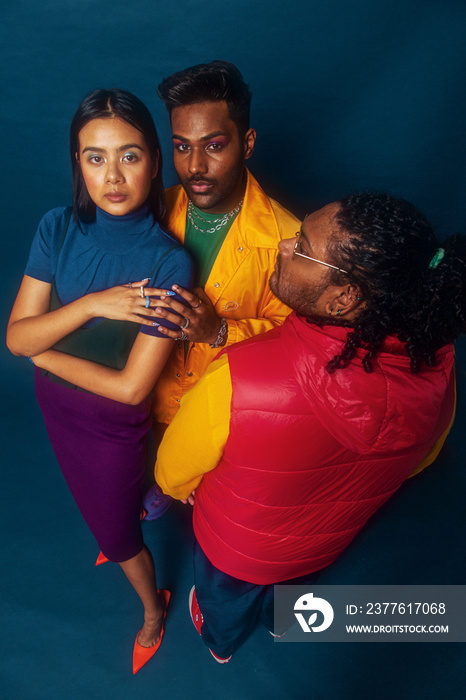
346, 96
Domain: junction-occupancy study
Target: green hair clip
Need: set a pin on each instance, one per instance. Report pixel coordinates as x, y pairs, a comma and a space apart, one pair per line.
438, 257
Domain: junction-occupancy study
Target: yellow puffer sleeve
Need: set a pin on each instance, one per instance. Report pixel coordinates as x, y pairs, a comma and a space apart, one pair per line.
193, 443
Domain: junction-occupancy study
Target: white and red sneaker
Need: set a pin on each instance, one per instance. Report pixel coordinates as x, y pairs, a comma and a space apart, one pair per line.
198, 620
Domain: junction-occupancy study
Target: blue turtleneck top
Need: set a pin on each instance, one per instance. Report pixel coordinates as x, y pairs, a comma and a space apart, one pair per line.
109, 251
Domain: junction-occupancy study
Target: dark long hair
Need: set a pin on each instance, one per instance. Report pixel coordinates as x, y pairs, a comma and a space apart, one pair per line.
209, 82
105, 104
388, 247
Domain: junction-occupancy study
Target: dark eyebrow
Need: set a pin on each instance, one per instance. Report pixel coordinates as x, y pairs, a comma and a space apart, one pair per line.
207, 137
131, 145
305, 238
122, 148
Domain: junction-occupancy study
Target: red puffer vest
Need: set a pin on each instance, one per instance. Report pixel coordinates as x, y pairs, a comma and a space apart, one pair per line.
311, 456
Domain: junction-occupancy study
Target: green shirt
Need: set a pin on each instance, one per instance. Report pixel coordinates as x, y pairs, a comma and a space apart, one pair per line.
203, 246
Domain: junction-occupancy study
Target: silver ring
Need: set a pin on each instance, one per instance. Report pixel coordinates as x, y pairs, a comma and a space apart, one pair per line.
186, 323
130, 284
183, 336
147, 302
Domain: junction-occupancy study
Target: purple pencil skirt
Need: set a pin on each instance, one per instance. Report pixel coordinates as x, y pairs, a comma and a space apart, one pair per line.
101, 447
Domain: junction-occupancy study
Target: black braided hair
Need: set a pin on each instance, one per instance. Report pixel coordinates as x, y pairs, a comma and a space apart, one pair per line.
387, 245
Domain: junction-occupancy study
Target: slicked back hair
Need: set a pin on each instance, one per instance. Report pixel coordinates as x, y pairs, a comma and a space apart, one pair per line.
209, 82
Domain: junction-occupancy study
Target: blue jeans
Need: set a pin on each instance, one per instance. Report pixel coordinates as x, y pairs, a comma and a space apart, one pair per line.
231, 607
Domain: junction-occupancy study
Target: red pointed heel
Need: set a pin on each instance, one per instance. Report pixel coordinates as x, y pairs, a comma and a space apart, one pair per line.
101, 559
141, 655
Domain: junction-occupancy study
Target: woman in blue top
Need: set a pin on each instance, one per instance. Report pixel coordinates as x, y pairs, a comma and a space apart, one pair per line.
83, 314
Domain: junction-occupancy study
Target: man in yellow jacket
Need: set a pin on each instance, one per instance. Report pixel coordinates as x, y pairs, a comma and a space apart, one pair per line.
224, 219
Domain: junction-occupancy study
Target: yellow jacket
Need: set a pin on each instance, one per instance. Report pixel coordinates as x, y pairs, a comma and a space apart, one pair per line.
238, 287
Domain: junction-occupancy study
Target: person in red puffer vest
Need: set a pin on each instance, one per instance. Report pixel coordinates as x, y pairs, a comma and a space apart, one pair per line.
293, 439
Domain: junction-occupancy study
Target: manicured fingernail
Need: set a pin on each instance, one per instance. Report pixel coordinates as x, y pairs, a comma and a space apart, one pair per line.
146, 279
170, 293
175, 286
